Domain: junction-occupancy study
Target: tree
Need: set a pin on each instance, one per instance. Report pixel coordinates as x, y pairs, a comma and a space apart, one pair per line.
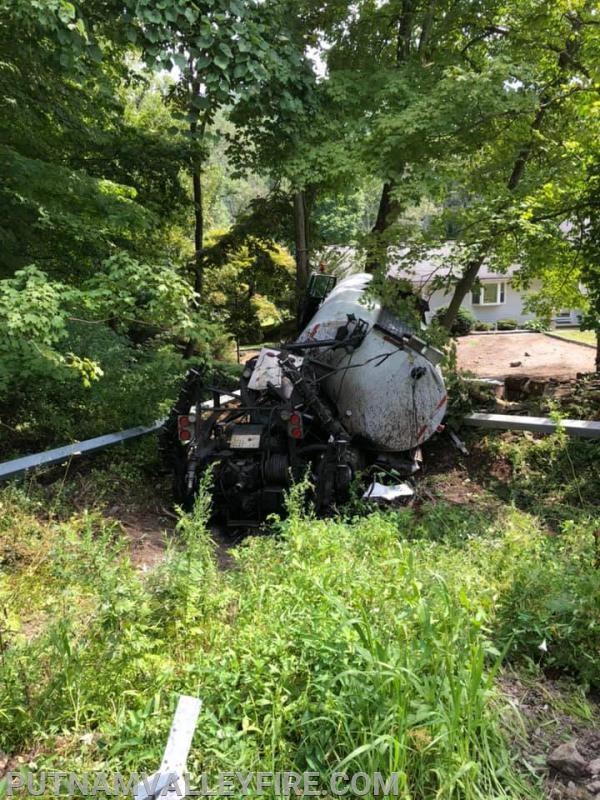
250, 285
222, 49
563, 82
452, 100
86, 194
77, 181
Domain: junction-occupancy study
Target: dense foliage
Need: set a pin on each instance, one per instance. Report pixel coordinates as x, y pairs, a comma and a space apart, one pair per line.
464, 323
133, 135
366, 644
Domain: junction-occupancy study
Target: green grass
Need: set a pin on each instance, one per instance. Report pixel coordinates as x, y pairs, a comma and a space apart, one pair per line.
556, 478
368, 644
587, 337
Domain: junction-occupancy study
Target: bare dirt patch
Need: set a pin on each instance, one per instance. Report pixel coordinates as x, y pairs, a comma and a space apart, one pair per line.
448, 476
538, 355
247, 355
147, 532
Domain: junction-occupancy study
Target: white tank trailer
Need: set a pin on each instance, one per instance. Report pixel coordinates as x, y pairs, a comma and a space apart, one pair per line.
354, 395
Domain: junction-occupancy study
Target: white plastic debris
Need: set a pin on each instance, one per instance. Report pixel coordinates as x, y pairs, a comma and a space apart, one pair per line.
268, 369
377, 491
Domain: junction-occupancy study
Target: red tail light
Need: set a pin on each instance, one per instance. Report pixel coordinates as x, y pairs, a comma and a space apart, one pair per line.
295, 427
185, 428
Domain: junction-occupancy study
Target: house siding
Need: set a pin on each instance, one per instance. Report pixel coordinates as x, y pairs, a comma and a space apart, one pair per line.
512, 308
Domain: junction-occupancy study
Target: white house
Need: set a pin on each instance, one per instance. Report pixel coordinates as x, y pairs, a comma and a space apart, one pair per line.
493, 297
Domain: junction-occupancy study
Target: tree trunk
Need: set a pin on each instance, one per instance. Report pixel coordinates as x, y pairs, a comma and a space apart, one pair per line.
301, 239
198, 232
190, 347
462, 288
386, 213
388, 207
598, 351
464, 285
426, 29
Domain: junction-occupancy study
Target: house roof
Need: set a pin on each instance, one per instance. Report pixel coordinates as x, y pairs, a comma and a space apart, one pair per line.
439, 262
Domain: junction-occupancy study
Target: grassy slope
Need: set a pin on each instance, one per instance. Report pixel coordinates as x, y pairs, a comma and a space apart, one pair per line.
588, 337
369, 644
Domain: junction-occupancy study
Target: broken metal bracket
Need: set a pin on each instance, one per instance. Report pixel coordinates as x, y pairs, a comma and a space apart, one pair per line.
172, 767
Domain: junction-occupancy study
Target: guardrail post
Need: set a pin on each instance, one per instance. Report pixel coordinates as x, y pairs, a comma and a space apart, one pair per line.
172, 767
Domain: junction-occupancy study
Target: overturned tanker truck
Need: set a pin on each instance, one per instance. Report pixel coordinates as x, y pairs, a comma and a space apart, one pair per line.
357, 389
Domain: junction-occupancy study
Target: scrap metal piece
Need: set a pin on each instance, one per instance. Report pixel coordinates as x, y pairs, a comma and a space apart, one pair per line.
458, 442
267, 369
418, 345
378, 491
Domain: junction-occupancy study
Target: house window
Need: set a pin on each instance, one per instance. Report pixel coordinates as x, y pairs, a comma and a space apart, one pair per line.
490, 294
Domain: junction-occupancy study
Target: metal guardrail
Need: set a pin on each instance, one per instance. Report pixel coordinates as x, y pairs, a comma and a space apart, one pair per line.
19, 466
585, 429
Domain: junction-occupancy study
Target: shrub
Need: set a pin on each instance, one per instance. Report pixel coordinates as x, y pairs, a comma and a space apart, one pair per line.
537, 324
462, 325
507, 324
136, 386
483, 326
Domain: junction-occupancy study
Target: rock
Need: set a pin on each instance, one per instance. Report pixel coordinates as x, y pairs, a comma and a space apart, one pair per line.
567, 759
556, 792
594, 767
575, 792
527, 354
593, 787
516, 363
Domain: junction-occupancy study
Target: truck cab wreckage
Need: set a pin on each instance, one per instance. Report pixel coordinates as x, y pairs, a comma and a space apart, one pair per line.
357, 389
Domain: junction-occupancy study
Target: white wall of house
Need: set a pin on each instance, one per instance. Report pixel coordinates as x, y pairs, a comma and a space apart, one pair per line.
495, 302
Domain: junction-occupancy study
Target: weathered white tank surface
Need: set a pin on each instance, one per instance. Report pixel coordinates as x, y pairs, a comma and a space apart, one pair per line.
385, 391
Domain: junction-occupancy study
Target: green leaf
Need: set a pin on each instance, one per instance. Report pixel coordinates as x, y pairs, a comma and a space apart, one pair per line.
203, 42
237, 8
224, 48
180, 60
201, 102
221, 61
95, 52
66, 11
